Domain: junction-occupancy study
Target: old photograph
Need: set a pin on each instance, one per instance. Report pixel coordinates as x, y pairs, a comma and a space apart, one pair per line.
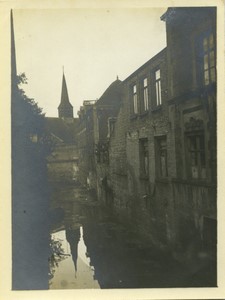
114, 148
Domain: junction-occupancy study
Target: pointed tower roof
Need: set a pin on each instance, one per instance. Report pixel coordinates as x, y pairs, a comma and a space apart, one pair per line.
65, 108
13, 53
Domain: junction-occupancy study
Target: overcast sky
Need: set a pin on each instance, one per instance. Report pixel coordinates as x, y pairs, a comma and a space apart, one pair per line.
93, 45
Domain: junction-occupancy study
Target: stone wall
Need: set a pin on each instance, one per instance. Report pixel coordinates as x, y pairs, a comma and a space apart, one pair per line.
63, 164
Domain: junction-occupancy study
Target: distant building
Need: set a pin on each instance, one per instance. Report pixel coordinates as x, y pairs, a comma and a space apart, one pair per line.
96, 121
106, 112
65, 108
62, 163
85, 143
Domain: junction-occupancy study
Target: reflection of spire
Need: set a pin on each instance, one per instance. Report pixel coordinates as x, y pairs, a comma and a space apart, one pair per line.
73, 237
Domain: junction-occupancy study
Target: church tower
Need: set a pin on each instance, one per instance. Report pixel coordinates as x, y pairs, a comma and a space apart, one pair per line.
65, 108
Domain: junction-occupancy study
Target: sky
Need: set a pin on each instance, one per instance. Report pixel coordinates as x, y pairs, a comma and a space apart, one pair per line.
94, 46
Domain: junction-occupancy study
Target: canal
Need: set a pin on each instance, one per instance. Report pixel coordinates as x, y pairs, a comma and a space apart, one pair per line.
92, 249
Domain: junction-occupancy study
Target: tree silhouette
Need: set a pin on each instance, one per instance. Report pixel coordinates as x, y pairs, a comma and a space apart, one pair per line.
30, 230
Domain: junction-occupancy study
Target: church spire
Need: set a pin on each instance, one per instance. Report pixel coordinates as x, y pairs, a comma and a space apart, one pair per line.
65, 108
13, 54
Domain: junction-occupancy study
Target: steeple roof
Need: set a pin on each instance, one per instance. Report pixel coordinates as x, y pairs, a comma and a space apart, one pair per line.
64, 95
13, 52
65, 108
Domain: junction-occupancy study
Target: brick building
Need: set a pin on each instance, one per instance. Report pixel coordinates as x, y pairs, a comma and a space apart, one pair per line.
96, 119
162, 154
191, 61
107, 108
155, 151
138, 156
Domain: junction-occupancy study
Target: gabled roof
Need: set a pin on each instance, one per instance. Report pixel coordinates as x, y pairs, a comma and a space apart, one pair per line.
61, 130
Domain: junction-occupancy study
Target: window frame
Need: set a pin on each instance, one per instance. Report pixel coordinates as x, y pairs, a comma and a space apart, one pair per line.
198, 168
158, 167
158, 88
144, 157
211, 63
145, 94
134, 99
204, 54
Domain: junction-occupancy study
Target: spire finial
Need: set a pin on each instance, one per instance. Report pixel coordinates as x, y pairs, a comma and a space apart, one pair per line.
117, 77
63, 69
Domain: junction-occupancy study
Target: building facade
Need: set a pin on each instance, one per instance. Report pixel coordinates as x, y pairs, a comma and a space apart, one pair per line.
107, 109
96, 119
155, 152
191, 61
85, 142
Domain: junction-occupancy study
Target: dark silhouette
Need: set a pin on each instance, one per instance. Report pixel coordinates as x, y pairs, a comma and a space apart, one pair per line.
30, 146
73, 238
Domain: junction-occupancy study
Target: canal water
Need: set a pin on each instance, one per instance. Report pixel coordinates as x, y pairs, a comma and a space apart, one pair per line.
92, 249
74, 271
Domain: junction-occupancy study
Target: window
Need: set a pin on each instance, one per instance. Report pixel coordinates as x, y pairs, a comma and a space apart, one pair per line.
134, 98
209, 59
144, 163
145, 94
161, 156
102, 152
158, 88
111, 126
196, 162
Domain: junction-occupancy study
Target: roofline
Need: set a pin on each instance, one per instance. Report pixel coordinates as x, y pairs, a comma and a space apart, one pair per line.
171, 15
163, 17
145, 64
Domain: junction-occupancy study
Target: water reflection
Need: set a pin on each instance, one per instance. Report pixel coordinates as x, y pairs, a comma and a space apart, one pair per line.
97, 251
73, 237
74, 271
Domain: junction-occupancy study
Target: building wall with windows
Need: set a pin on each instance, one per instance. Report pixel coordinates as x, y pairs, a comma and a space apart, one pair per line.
191, 57
155, 140
95, 126
142, 149
162, 155
107, 108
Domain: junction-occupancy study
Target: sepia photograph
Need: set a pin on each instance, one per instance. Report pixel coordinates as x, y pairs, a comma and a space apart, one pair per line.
113, 114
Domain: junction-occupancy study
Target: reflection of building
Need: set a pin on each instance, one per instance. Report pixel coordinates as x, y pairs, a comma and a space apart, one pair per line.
62, 164
157, 165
